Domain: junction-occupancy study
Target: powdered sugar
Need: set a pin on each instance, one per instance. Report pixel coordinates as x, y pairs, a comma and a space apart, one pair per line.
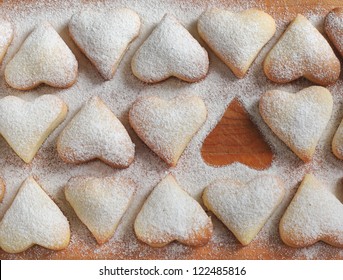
104, 36
43, 58
334, 26
170, 51
6, 35
236, 38
95, 132
168, 214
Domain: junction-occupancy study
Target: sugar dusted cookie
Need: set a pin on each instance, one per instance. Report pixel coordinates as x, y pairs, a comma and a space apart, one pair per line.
170, 50
337, 142
6, 36
298, 119
104, 36
25, 125
244, 208
314, 214
167, 126
100, 203
96, 133
170, 214
43, 58
236, 38
2, 189
33, 218
302, 51
333, 26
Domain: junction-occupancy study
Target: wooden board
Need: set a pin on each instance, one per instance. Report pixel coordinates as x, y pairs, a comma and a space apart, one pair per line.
87, 248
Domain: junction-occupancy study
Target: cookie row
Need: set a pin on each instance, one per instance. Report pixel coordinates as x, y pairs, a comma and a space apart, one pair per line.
170, 214
170, 50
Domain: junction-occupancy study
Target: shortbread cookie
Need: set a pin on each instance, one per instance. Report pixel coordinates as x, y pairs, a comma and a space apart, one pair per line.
96, 133
236, 38
43, 58
6, 36
100, 203
104, 36
25, 125
298, 119
333, 26
244, 208
302, 51
314, 214
170, 214
170, 50
2, 189
337, 142
167, 126
33, 218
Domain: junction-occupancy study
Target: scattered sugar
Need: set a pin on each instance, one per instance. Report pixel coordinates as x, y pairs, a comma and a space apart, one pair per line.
217, 90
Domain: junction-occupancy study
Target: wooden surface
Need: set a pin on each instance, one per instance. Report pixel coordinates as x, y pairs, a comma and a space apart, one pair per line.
236, 138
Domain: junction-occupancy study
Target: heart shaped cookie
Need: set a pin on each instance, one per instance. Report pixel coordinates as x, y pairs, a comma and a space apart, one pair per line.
170, 214
96, 133
100, 203
43, 58
104, 36
33, 218
337, 142
236, 38
25, 125
333, 26
170, 50
167, 126
2, 189
314, 214
302, 51
298, 119
244, 208
6, 36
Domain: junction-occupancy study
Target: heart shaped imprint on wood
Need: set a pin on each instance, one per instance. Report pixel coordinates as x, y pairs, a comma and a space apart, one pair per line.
167, 126
25, 125
298, 119
170, 50
6, 37
100, 203
244, 208
96, 133
43, 58
236, 139
236, 38
314, 214
104, 37
302, 51
333, 26
33, 218
170, 214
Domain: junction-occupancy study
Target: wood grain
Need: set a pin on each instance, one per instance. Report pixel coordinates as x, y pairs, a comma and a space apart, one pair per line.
236, 139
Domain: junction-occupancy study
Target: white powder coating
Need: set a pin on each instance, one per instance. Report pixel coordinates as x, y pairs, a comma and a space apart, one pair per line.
337, 142
236, 38
25, 125
298, 119
169, 214
244, 208
96, 133
170, 50
33, 218
167, 126
334, 28
100, 203
104, 36
302, 51
43, 58
6, 36
314, 214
